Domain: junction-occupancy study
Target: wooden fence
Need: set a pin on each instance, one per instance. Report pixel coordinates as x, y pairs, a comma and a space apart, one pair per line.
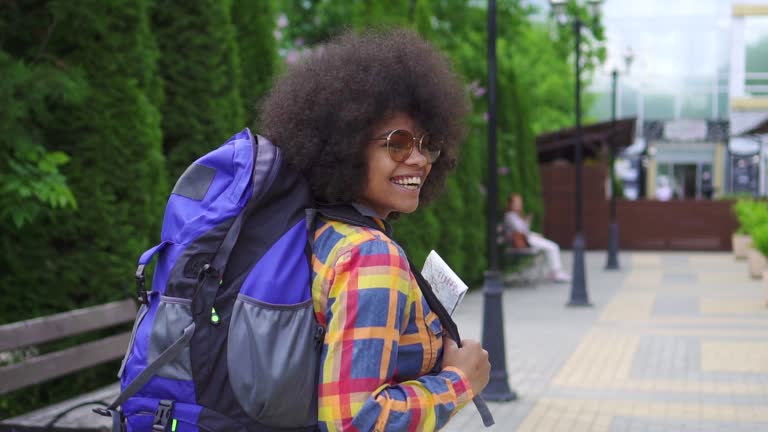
643, 224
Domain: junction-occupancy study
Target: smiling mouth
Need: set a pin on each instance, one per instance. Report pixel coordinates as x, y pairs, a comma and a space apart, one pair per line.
412, 183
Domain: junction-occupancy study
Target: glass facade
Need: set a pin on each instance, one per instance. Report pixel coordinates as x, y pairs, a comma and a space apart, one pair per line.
756, 38
681, 65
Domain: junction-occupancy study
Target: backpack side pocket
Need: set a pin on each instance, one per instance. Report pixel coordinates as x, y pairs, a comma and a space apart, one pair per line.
273, 359
173, 315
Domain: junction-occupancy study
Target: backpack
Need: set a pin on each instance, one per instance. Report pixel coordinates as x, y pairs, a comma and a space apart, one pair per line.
226, 338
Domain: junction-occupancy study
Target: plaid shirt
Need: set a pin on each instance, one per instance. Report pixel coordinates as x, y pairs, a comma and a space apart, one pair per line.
380, 363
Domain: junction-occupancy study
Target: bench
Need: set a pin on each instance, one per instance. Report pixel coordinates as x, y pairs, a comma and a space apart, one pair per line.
520, 263
73, 414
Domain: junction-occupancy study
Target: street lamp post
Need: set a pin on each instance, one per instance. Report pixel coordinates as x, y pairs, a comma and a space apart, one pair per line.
578, 296
613, 228
493, 316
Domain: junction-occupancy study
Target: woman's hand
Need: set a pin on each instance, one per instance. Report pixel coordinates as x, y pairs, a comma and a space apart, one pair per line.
471, 359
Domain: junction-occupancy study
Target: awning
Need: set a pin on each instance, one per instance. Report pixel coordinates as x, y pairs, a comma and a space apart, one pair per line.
596, 138
759, 129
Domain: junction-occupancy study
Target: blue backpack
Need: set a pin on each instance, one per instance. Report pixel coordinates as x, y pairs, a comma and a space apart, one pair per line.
226, 339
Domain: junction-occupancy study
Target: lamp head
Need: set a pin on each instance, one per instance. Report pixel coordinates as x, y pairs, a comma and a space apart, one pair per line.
629, 57
595, 7
559, 10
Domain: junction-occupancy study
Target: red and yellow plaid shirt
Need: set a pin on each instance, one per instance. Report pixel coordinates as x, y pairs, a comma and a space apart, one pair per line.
380, 363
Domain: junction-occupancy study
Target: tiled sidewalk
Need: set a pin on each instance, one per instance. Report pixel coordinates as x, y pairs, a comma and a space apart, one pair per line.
675, 342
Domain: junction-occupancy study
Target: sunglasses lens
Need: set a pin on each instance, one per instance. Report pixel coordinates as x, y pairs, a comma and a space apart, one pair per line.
429, 150
400, 145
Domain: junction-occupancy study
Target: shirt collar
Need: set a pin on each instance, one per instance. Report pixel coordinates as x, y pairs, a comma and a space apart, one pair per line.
368, 212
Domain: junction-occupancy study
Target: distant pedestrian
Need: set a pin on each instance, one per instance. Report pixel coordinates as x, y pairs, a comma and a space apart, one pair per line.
664, 190
516, 221
707, 190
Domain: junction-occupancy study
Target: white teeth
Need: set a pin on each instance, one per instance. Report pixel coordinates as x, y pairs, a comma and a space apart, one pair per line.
410, 183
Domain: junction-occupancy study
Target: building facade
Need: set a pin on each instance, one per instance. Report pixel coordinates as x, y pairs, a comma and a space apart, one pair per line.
748, 98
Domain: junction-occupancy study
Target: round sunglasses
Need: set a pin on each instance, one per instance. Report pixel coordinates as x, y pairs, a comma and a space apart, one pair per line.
400, 144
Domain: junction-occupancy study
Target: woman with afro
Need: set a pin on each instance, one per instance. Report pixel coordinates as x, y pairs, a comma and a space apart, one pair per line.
373, 122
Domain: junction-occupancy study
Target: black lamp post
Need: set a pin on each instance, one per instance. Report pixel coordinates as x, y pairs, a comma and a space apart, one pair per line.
613, 228
493, 317
579, 296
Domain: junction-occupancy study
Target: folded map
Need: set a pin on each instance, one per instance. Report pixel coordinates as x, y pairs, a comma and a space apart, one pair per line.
448, 287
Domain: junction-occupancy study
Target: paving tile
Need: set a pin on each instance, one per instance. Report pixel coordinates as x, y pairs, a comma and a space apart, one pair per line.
632, 424
676, 305
729, 356
679, 277
675, 342
753, 306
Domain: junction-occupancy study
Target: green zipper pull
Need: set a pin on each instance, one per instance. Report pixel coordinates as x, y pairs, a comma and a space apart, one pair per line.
173, 425
214, 317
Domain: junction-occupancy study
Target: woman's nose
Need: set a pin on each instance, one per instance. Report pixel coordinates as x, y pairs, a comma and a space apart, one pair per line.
416, 157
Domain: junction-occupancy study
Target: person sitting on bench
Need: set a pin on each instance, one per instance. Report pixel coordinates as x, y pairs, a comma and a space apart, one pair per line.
515, 221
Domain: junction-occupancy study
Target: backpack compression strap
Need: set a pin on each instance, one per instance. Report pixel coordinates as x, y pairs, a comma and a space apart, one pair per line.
350, 215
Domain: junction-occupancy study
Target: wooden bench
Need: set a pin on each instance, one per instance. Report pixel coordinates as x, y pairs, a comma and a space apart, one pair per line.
515, 254
68, 415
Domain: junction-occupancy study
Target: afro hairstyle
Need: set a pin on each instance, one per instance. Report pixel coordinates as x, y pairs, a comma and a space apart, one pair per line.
322, 110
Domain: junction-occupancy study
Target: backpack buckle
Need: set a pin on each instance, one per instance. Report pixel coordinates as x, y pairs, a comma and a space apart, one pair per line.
102, 412
162, 415
141, 286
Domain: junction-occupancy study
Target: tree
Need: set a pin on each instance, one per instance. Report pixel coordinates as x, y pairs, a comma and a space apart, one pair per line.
200, 66
254, 23
535, 82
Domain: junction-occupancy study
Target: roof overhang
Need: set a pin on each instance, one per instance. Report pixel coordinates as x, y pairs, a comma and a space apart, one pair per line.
596, 137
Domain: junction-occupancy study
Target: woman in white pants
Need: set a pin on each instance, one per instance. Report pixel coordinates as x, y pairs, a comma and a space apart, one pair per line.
516, 221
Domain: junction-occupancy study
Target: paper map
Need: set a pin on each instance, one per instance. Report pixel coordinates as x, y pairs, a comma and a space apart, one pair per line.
446, 284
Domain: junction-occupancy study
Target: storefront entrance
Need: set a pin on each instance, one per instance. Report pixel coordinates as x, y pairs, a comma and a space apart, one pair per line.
684, 181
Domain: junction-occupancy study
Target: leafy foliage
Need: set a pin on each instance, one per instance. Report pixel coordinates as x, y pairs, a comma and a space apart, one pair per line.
760, 238
32, 183
750, 214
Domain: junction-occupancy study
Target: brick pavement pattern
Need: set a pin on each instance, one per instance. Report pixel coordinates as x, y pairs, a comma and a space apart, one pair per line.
675, 342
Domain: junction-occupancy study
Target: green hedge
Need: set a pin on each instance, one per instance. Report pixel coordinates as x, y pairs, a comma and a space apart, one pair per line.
200, 67
84, 255
752, 216
254, 23
116, 172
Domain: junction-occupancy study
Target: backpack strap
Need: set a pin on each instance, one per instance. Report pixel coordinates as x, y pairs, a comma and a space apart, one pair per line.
434, 303
166, 356
351, 215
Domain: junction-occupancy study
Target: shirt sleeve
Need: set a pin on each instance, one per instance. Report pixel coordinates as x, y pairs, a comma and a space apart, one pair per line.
516, 223
368, 305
